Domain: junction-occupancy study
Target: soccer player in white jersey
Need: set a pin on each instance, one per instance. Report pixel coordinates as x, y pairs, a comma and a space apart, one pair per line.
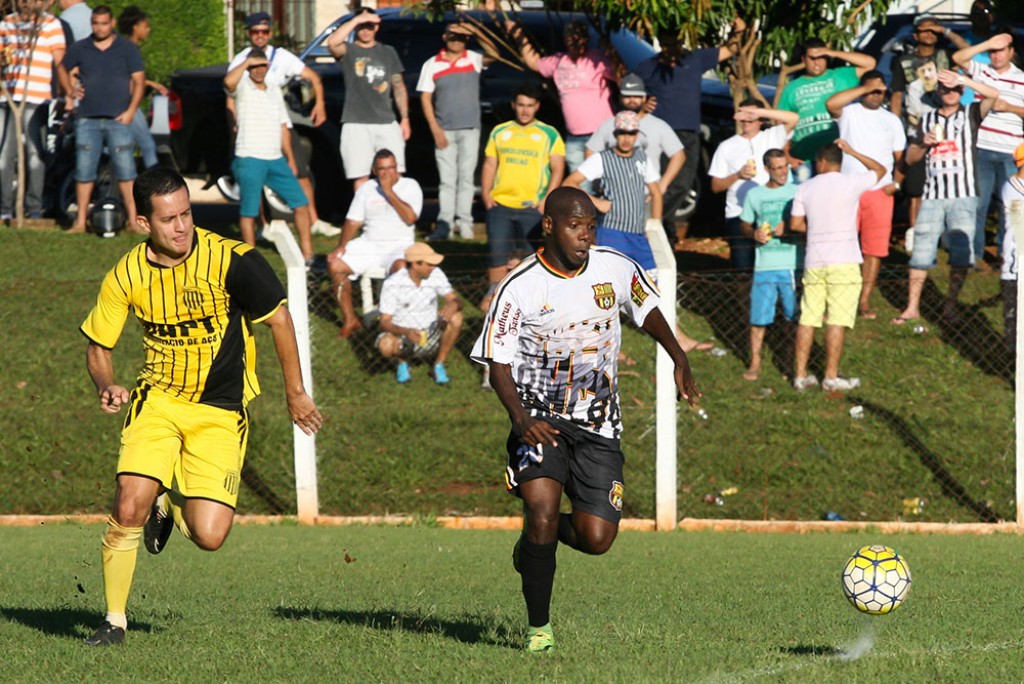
551, 338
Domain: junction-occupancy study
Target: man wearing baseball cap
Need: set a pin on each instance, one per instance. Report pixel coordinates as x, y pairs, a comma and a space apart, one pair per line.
411, 325
657, 139
1013, 216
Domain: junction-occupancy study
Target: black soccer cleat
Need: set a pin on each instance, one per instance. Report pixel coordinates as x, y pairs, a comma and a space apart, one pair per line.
158, 528
106, 635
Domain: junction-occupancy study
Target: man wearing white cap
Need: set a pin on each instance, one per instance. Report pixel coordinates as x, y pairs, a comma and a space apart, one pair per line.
411, 325
1013, 214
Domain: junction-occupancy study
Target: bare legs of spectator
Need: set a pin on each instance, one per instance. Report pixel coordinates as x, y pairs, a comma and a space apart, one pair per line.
869, 274
449, 337
957, 278
835, 337
753, 371
303, 225
83, 195
340, 278
307, 188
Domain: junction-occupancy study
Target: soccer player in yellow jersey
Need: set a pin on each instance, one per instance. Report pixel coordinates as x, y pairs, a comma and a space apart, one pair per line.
196, 295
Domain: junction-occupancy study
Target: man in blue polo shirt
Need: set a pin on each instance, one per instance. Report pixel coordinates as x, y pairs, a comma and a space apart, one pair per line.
110, 71
673, 80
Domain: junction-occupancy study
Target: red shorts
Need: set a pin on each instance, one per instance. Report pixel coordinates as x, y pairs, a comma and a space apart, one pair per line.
874, 222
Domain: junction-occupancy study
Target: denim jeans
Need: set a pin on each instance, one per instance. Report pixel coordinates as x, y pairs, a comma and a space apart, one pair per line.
91, 136
144, 140
510, 232
994, 169
952, 218
456, 165
33, 120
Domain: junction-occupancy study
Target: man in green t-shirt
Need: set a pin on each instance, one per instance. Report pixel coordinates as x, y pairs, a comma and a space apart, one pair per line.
806, 96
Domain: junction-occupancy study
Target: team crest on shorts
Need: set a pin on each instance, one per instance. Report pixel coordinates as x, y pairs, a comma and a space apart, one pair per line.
615, 495
604, 295
231, 482
637, 291
528, 454
193, 298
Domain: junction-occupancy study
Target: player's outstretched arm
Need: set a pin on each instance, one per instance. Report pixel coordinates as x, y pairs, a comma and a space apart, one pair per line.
300, 405
100, 363
532, 430
656, 326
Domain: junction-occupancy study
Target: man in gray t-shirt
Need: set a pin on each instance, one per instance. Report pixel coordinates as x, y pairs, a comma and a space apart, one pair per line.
373, 78
656, 137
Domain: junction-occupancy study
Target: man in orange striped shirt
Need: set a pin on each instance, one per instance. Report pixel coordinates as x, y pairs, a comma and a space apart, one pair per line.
31, 47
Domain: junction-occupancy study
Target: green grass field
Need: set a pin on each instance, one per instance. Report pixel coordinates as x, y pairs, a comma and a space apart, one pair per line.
411, 604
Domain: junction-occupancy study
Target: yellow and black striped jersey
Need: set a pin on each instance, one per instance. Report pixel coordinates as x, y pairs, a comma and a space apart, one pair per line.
196, 317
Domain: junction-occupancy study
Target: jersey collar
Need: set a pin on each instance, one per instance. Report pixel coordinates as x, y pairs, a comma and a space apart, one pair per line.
558, 273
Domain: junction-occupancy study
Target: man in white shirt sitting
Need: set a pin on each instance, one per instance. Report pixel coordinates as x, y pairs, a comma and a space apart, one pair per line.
411, 325
386, 208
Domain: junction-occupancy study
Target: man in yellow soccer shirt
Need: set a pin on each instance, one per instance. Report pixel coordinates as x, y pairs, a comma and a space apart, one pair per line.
524, 160
196, 295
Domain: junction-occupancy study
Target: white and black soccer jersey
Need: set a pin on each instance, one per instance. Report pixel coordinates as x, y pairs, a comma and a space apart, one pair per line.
561, 334
1013, 211
952, 162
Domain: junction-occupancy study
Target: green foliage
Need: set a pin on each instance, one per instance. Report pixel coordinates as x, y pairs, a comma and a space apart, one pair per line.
185, 34
415, 604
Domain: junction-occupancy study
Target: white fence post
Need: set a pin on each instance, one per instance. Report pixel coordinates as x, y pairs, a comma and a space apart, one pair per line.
304, 445
666, 408
1017, 225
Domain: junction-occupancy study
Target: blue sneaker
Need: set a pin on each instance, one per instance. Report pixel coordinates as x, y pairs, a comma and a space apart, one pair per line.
440, 374
402, 374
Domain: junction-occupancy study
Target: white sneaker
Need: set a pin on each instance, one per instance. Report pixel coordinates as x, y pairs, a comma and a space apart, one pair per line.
324, 228
466, 231
840, 384
801, 384
486, 382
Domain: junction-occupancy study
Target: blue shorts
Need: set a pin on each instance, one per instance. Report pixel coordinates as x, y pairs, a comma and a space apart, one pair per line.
633, 245
768, 288
252, 174
91, 136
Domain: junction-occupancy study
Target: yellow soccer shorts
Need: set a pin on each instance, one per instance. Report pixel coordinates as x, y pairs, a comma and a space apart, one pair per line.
831, 290
196, 449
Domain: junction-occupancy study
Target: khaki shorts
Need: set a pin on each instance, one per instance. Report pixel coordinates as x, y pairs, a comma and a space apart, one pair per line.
831, 290
197, 448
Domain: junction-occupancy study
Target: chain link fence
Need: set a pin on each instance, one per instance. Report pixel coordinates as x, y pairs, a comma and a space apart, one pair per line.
928, 435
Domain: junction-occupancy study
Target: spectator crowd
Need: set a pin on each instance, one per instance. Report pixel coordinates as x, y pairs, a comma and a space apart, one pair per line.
811, 181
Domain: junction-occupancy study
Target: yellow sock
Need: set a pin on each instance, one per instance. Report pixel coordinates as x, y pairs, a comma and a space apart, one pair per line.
120, 549
176, 502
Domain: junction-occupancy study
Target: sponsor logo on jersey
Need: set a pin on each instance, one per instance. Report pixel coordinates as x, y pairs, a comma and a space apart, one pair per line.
615, 495
547, 309
604, 295
637, 291
193, 298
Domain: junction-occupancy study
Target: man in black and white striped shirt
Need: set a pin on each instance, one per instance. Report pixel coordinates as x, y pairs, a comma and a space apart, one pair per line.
947, 138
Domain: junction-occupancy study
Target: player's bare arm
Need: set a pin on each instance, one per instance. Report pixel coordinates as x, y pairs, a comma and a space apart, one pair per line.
303, 411
657, 327
532, 430
100, 363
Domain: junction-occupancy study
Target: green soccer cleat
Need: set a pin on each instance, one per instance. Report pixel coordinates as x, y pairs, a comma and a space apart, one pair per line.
106, 635
540, 639
158, 528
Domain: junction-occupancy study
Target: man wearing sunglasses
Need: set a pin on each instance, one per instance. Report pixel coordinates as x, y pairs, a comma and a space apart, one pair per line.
449, 88
866, 125
1002, 130
806, 96
283, 67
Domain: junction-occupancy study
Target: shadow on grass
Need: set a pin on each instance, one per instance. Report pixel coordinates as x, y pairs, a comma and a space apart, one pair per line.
951, 487
811, 650
469, 630
63, 622
964, 327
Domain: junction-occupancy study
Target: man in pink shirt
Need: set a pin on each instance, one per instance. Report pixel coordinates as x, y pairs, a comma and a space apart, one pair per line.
581, 75
825, 207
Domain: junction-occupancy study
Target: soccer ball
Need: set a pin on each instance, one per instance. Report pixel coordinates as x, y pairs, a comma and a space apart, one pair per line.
876, 580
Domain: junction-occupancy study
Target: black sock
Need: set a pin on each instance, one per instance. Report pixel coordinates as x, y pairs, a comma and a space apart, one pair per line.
566, 532
537, 566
